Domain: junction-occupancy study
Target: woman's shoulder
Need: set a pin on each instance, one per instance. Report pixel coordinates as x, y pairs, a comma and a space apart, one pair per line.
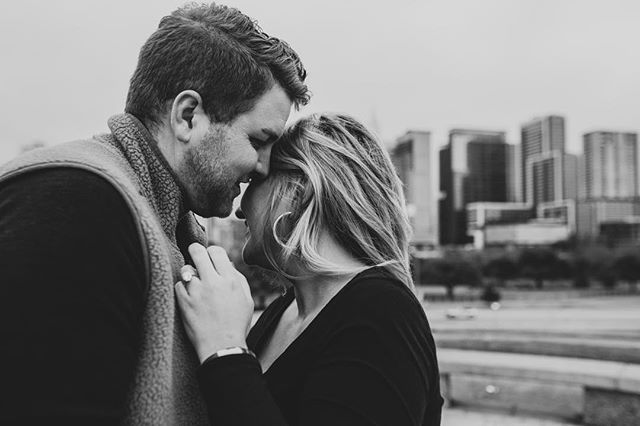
377, 294
377, 285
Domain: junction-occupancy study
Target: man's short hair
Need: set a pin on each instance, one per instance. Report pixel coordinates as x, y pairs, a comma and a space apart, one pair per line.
220, 53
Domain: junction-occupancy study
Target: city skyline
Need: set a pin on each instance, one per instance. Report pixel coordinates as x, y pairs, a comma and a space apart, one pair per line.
433, 65
477, 174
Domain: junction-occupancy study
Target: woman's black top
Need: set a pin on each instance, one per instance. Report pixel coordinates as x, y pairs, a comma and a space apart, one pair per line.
368, 358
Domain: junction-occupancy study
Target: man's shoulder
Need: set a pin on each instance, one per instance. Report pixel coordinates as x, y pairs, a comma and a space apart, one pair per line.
76, 160
94, 153
64, 196
61, 181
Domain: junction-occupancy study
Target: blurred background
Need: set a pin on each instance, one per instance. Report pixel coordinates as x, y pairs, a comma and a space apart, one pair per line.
513, 126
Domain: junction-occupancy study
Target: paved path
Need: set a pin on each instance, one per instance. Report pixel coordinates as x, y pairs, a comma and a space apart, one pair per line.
610, 375
460, 417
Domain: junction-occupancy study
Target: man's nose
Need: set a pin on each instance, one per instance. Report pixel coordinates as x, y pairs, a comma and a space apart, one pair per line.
240, 213
264, 158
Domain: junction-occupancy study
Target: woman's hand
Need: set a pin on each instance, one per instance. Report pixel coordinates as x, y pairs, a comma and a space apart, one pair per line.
216, 305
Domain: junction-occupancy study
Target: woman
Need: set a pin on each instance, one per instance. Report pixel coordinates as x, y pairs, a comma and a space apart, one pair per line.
348, 343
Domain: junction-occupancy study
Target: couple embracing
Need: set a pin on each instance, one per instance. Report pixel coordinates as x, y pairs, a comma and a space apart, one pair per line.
115, 312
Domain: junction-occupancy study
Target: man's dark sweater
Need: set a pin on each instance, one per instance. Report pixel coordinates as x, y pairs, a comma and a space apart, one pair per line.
73, 293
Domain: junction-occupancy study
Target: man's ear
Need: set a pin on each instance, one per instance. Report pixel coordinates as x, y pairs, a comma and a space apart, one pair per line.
186, 113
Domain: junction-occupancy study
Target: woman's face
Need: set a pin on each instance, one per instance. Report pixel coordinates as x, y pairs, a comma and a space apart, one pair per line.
253, 208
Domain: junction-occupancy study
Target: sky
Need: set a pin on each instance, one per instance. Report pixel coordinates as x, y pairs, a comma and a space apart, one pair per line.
428, 65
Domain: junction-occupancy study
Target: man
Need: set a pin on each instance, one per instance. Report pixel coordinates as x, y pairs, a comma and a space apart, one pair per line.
93, 233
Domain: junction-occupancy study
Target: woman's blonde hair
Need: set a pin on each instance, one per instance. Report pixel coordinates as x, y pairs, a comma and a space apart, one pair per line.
334, 175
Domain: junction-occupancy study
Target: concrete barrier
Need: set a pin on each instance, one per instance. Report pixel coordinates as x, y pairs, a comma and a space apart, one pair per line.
594, 392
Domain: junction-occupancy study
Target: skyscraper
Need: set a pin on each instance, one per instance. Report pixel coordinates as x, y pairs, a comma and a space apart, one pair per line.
514, 175
610, 191
413, 159
473, 167
549, 173
611, 164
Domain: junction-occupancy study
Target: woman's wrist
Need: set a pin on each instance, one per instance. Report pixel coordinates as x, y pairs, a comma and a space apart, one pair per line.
233, 350
207, 351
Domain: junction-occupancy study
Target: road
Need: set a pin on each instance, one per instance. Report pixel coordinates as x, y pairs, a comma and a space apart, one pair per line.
612, 316
458, 417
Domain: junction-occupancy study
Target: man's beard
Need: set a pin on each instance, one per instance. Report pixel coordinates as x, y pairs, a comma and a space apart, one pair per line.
207, 176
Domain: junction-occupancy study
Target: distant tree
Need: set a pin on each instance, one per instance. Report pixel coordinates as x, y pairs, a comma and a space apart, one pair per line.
570, 244
449, 272
598, 264
562, 269
627, 268
500, 269
581, 271
607, 276
538, 264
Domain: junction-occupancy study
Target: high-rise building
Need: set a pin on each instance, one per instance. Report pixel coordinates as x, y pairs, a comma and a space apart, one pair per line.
591, 213
413, 159
514, 175
610, 190
611, 164
473, 168
549, 173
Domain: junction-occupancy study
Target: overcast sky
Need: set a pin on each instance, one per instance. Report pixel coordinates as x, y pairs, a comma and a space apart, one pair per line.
398, 65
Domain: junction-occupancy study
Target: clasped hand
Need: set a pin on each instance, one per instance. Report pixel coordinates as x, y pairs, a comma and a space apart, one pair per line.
216, 305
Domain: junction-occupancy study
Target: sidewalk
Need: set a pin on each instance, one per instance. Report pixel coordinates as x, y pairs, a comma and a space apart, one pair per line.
461, 417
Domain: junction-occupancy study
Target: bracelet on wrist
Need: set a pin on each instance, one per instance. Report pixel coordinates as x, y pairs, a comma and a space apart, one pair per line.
233, 350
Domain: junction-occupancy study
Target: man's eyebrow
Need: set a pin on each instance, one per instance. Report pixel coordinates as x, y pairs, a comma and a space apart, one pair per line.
271, 134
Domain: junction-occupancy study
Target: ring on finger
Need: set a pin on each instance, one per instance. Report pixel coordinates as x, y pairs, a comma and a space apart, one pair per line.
188, 274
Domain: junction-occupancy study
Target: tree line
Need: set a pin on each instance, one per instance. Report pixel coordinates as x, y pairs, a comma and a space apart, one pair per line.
584, 267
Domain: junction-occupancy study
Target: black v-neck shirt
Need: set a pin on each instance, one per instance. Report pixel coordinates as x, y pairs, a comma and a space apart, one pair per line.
368, 358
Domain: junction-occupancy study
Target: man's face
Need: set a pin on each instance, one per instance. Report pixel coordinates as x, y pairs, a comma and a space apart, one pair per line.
229, 154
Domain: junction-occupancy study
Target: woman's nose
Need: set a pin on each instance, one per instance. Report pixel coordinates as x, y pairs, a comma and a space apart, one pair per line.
240, 213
